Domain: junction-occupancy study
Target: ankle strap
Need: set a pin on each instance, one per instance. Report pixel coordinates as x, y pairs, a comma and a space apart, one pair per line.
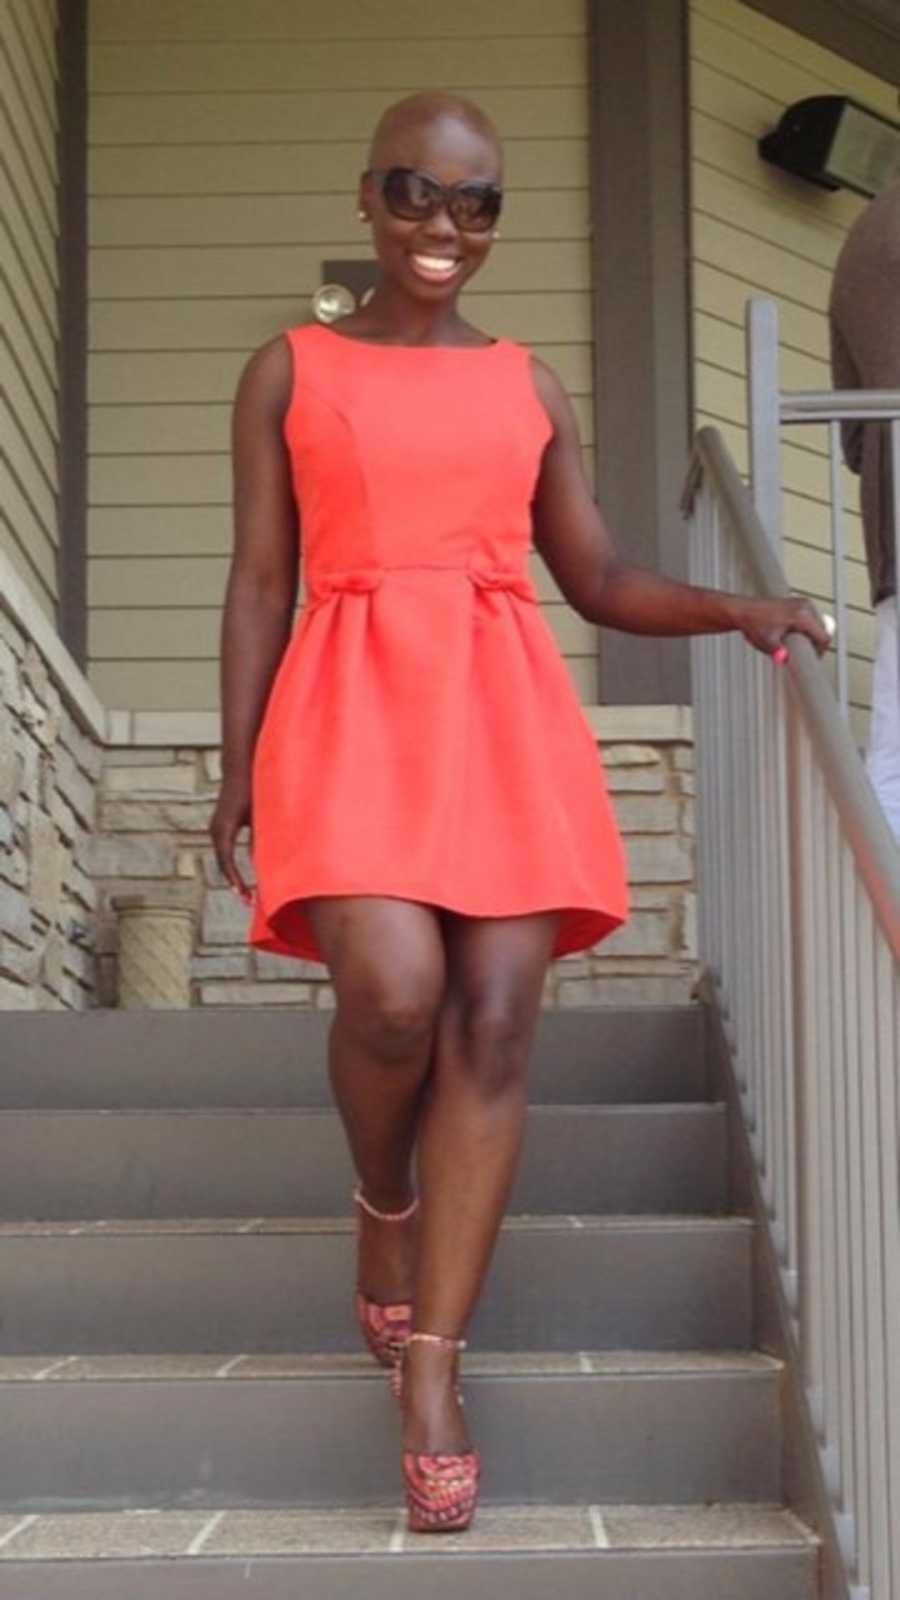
385, 1216
438, 1338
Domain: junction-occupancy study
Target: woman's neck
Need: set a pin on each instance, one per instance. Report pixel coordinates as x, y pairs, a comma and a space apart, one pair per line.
398, 320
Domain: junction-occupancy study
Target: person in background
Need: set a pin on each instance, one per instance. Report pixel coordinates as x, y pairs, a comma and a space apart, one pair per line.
864, 323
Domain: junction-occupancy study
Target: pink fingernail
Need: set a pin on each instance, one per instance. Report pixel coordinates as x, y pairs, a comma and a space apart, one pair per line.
780, 654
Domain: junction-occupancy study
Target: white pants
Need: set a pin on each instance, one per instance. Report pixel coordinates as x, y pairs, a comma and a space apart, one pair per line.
883, 756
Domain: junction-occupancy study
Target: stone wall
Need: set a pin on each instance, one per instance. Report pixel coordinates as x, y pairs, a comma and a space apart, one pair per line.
50, 765
157, 801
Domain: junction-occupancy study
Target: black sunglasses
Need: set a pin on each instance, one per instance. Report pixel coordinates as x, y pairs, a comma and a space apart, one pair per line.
474, 204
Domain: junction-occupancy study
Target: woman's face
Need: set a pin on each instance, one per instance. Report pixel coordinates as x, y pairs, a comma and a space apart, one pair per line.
450, 151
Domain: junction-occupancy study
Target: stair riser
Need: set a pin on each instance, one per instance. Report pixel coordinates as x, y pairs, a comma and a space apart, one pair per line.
276, 1057
606, 1575
660, 1439
287, 1163
547, 1289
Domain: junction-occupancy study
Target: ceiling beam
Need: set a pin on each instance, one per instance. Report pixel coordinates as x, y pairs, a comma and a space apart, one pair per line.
866, 32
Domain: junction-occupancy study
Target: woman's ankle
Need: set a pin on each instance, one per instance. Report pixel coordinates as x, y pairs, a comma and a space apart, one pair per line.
391, 1199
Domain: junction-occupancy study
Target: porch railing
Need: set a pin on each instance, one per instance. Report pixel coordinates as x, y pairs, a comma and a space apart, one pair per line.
771, 408
799, 928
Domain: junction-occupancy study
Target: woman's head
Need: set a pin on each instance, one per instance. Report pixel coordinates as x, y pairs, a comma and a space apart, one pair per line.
449, 139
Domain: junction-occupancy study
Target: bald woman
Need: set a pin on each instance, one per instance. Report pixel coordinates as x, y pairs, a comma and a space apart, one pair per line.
429, 814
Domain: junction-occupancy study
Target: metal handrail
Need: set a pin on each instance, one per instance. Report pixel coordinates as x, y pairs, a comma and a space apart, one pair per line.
863, 820
839, 405
799, 932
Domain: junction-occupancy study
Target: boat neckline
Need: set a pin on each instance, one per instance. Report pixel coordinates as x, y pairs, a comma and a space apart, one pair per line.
375, 344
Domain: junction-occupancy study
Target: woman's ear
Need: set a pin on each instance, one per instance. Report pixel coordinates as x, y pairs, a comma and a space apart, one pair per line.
364, 198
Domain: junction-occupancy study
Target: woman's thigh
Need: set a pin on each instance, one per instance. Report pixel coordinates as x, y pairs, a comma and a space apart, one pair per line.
492, 997
385, 957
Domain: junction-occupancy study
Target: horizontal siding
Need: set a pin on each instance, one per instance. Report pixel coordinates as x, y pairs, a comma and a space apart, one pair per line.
336, 113
225, 145
261, 220
115, 21
254, 67
183, 273
28, 297
300, 168
189, 328
756, 230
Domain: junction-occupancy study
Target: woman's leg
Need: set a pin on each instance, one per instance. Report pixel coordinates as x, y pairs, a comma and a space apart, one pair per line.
386, 961
470, 1133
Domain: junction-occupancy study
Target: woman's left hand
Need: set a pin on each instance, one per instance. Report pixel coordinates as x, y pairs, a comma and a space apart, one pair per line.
765, 623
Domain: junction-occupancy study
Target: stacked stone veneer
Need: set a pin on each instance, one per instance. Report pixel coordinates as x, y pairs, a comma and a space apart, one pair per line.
153, 834
50, 765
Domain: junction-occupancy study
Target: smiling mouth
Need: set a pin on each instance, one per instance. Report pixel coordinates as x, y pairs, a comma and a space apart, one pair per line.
437, 269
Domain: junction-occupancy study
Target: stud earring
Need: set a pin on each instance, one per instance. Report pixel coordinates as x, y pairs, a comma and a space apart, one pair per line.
362, 216
496, 233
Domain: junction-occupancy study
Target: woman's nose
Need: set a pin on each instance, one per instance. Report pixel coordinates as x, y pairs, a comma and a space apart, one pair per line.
441, 225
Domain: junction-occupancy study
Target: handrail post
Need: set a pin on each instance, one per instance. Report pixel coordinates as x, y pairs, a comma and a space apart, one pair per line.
761, 341
894, 436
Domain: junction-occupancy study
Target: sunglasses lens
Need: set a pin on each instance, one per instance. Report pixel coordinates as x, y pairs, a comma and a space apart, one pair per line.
411, 194
476, 206
415, 196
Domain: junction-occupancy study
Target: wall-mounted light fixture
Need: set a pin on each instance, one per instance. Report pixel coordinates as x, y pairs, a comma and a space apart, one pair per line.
837, 143
346, 286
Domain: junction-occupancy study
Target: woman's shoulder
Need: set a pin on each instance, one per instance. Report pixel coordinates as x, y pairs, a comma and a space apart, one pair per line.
548, 385
267, 375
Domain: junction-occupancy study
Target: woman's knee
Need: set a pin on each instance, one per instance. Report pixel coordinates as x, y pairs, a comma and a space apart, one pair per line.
388, 968
487, 1042
391, 1010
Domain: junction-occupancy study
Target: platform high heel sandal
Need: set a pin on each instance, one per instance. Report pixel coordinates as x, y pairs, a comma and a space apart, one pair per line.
385, 1327
441, 1489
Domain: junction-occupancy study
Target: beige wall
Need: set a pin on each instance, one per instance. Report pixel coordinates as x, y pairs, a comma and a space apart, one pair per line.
28, 277
224, 154
757, 230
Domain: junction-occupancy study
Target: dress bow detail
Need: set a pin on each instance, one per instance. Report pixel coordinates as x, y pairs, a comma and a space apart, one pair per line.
348, 580
511, 578
360, 580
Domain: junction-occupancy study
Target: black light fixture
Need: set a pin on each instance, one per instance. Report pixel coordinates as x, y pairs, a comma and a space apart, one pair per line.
837, 143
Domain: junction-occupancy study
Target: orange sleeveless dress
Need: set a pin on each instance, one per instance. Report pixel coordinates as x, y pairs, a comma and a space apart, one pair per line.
422, 737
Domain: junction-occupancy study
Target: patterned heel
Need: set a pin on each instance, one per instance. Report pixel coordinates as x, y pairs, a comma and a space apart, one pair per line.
385, 1327
441, 1488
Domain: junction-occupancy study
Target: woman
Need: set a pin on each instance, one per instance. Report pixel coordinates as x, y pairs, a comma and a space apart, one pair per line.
430, 817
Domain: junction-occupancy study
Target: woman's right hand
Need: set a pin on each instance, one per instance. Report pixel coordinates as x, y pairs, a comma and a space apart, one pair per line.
233, 812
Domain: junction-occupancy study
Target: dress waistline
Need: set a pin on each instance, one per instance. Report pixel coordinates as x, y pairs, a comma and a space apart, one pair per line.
362, 580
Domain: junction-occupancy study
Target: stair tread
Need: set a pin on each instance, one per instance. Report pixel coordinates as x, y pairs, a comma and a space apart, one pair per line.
565, 1221
192, 1365
138, 1533
564, 1108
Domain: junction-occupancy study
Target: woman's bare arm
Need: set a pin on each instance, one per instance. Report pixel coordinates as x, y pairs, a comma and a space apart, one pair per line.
261, 589
574, 540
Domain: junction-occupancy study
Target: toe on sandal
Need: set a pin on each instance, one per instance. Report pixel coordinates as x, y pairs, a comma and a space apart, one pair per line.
385, 1328
441, 1490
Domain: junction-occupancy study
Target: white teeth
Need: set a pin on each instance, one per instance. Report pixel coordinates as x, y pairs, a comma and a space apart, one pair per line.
436, 263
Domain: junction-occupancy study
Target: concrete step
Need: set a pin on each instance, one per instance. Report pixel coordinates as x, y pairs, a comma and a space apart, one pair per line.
319, 1430
284, 1283
585, 1552
276, 1056
282, 1160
